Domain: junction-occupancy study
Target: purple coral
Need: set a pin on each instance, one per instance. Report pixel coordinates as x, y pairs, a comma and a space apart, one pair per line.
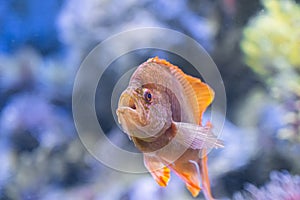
282, 186
33, 119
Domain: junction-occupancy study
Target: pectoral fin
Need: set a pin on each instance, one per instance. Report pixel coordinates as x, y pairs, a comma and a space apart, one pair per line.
195, 136
159, 172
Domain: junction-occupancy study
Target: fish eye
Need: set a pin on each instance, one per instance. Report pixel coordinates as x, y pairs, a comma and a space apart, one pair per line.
147, 96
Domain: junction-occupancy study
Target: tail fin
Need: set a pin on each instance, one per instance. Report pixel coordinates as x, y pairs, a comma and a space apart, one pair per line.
204, 176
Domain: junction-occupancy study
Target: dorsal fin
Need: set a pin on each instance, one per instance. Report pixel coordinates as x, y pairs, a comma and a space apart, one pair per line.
204, 93
157, 60
193, 87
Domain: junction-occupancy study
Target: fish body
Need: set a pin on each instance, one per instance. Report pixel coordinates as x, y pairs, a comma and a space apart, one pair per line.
161, 112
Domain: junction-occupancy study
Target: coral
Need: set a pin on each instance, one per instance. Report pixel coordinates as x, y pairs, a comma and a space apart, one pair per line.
271, 45
272, 38
42, 124
282, 186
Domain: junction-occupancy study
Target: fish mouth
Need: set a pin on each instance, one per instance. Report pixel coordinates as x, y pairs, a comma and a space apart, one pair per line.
127, 111
131, 104
127, 106
130, 111
127, 101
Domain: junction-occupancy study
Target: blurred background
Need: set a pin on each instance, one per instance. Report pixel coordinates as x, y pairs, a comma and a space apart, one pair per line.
255, 45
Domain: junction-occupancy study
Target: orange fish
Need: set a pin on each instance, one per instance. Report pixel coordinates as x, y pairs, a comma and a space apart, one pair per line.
161, 112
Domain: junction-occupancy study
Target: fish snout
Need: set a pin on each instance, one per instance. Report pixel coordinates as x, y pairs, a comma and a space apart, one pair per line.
127, 100
127, 111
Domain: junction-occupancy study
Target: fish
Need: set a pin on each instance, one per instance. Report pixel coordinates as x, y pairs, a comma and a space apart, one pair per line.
161, 111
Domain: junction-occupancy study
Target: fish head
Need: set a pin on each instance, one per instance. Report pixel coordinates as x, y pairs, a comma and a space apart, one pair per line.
144, 112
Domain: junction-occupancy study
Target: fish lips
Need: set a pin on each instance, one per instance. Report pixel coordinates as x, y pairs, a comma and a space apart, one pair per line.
124, 118
130, 111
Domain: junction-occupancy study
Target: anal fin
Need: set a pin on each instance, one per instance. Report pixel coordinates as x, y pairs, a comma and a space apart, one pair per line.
193, 190
189, 174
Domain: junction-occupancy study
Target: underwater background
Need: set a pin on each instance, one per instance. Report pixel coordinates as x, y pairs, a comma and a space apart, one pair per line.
255, 45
